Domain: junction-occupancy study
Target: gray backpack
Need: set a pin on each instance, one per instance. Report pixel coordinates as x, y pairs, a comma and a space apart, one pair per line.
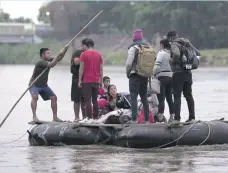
189, 59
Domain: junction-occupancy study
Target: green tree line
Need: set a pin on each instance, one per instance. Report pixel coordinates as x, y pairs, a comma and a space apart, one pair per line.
29, 53
204, 23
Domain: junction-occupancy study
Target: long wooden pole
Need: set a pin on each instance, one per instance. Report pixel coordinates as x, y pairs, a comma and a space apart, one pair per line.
84, 27
15, 104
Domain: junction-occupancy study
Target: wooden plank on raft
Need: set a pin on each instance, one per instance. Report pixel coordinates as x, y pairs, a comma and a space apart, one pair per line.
39, 122
105, 125
47, 122
100, 125
109, 125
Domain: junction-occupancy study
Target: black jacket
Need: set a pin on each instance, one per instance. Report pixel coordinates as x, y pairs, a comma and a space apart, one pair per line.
122, 102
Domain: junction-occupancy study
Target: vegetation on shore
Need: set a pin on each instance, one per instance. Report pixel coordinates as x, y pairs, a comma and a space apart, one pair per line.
28, 54
203, 22
214, 57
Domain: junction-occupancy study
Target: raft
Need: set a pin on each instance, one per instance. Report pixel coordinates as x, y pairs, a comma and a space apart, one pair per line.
157, 135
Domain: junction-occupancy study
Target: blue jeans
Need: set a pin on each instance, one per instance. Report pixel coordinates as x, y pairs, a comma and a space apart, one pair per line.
45, 92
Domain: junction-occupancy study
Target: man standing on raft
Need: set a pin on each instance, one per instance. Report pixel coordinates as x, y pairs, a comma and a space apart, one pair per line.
184, 59
40, 87
76, 92
139, 67
90, 77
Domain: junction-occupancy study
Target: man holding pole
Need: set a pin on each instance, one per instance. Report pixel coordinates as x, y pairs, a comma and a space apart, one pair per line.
40, 87
46, 66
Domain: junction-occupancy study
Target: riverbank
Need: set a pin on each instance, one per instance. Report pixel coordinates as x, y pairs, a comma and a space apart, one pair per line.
214, 57
28, 54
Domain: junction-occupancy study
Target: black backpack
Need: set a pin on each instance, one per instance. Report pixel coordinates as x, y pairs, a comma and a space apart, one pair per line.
189, 59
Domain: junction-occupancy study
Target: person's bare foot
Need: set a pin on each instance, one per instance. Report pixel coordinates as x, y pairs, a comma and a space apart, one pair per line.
35, 119
57, 120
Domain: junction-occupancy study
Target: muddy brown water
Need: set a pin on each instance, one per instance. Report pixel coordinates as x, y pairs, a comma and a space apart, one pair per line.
16, 156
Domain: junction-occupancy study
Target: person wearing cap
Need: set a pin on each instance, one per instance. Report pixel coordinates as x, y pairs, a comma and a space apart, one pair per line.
137, 84
90, 77
182, 79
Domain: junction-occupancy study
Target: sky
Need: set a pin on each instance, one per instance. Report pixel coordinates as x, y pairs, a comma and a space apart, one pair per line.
29, 8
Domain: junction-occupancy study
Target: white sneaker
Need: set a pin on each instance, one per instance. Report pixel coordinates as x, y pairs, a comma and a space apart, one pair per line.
84, 120
96, 122
171, 118
90, 121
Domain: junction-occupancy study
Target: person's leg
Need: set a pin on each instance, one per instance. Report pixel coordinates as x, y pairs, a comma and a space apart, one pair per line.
77, 106
47, 91
161, 98
34, 91
95, 87
76, 96
169, 97
87, 94
134, 91
143, 96
83, 108
187, 92
177, 90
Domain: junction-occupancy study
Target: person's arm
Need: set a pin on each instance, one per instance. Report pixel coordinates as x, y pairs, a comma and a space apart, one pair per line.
158, 63
175, 53
101, 72
58, 58
130, 59
81, 69
196, 50
63, 52
75, 58
112, 105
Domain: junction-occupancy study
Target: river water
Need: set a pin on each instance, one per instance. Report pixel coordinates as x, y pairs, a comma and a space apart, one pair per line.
211, 99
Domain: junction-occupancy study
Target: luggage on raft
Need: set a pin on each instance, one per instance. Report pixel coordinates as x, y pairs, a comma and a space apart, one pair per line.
158, 135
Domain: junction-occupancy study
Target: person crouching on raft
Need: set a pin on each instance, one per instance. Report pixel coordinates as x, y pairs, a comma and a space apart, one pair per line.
116, 100
40, 87
102, 92
106, 83
113, 101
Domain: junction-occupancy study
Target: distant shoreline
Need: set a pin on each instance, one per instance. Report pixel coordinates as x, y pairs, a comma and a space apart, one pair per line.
28, 54
202, 65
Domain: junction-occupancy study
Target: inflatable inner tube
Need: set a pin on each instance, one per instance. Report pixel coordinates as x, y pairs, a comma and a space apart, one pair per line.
158, 135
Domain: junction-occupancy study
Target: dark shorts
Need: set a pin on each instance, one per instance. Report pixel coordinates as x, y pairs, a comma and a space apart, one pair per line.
76, 92
45, 92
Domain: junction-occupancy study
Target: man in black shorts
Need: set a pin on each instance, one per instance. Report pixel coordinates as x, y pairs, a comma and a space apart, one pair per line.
76, 93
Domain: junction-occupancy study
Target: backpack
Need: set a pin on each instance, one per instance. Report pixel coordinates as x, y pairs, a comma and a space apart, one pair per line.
144, 62
189, 59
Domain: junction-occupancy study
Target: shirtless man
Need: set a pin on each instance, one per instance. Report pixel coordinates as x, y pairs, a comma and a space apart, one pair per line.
40, 87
